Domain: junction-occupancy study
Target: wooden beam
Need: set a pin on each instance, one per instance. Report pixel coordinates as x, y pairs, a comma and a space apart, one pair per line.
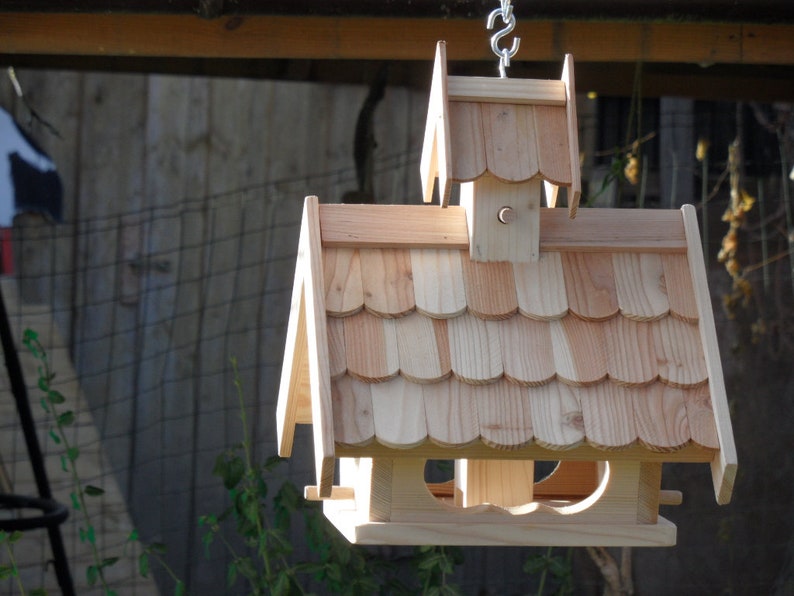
303, 37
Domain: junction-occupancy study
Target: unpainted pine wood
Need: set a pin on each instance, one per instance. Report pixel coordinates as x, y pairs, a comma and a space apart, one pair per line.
575, 190
660, 416
678, 284
337, 357
569, 480
296, 361
503, 410
551, 136
723, 467
608, 417
439, 289
510, 137
516, 240
387, 281
679, 352
700, 415
467, 148
436, 148
578, 347
540, 287
527, 351
490, 289
630, 352
371, 347
610, 230
451, 413
344, 292
398, 411
649, 495
373, 226
590, 285
640, 285
320, 377
499, 482
505, 90
475, 350
422, 358
353, 418
557, 416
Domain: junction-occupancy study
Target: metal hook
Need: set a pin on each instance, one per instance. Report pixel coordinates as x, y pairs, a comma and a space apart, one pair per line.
508, 18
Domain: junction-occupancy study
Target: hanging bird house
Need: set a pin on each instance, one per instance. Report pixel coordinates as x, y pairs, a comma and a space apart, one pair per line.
420, 334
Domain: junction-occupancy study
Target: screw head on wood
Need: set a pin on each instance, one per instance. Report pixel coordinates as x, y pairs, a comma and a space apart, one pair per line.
507, 215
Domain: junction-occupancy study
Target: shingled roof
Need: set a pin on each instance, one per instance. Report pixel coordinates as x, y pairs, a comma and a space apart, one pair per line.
605, 345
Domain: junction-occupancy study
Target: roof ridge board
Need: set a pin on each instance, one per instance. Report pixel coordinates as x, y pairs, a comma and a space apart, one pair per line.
425, 226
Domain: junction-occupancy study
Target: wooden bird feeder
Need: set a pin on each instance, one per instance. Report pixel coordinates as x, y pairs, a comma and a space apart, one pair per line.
419, 334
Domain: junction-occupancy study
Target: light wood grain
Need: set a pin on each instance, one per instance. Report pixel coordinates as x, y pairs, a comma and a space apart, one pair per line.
503, 410
723, 468
557, 417
661, 417
344, 293
373, 226
579, 351
475, 350
640, 283
353, 421
527, 351
310, 259
451, 413
436, 150
505, 90
371, 347
422, 359
337, 358
387, 283
700, 415
552, 138
540, 287
294, 367
490, 289
575, 190
679, 352
503, 483
593, 230
492, 240
630, 352
678, 284
399, 413
608, 417
439, 289
509, 138
590, 285
466, 141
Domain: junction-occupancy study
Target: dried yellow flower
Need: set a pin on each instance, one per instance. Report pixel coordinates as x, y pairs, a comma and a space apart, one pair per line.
632, 169
702, 149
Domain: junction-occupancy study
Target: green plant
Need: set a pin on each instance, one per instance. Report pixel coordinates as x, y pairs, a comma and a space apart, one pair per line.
549, 565
434, 565
8, 540
54, 404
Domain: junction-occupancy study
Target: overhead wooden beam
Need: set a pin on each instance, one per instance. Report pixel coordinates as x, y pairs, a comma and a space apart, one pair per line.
303, 37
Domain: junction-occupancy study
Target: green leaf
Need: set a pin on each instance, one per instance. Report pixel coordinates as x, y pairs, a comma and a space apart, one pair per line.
157, 547
7, 571
91, 574
43, 384
65, 419
15, 537
73, 453
38, 592
231, 575
55, 438
179, 589
110, 593
55, 397
143, 564
109, 562
90, 535
133, 537
93, 491
65, 465
75, 501
29, 336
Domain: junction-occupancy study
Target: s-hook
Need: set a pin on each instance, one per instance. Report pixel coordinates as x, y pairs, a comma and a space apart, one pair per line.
508, 18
